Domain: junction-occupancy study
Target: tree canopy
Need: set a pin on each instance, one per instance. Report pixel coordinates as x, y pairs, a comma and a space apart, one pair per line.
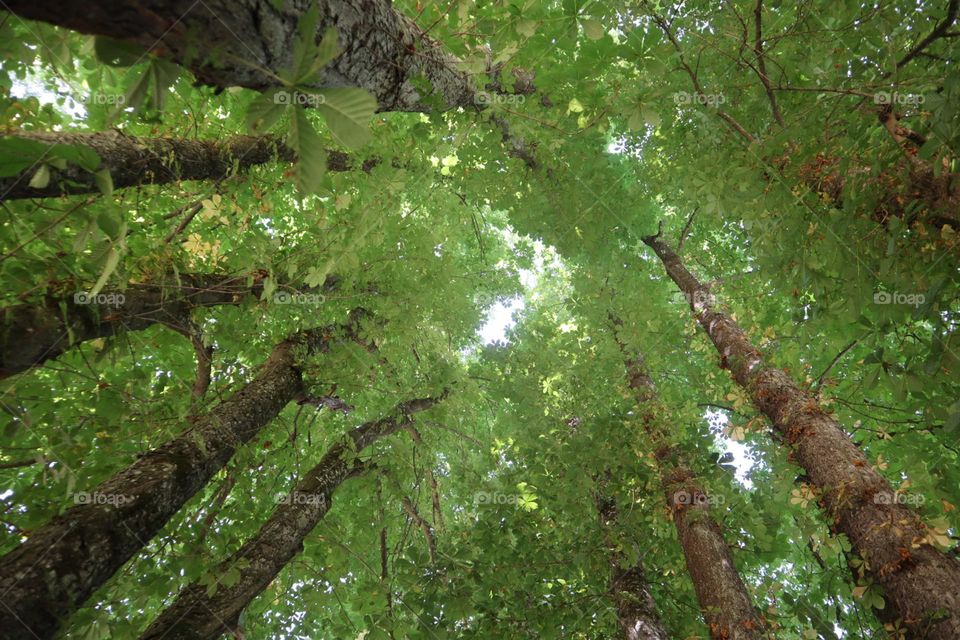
480, 319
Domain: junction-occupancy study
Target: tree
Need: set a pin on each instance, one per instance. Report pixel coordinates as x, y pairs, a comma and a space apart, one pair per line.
189, 192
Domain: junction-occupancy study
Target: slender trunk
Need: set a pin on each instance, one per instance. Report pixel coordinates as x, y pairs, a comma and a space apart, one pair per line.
31, 334
65, 561
139, 161
196, 614
629, 589
724, 601
920, 582
248, 44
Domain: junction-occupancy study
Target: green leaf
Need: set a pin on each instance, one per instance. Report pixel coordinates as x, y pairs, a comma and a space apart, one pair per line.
348, 111
17, 154
311, 155
117, 53
264, 110
41, 178
592, 28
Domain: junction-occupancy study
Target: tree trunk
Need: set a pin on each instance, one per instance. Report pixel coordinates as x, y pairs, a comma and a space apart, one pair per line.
629, 589
724, 601
919, 581
65, 561
138, 161
249, 43
195, 615
34, 333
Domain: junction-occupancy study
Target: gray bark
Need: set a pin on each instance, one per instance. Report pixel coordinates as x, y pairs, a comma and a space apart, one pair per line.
248, 43
31, 334
196, 616
65, 561
134, 161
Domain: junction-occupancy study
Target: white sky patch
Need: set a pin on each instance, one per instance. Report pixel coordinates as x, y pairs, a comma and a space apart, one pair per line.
744, 458
500, 319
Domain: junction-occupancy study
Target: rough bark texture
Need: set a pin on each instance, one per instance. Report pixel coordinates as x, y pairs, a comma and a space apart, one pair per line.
65, 561
636, 609
195, 615
920, 582
723, 597
136, 161
31, 334
247, 43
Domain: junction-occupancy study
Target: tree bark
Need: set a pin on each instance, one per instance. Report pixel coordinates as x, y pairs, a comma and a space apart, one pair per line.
34, 333
723, 597
134, 161
249, 43
629, 589
195, 615
65, 561
919, 581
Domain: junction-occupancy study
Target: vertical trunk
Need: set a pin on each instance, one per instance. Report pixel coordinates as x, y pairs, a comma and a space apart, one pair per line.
196, 615
724, 601
919, 581
139, 161
629, 589
31, 334
65, 561
249, 43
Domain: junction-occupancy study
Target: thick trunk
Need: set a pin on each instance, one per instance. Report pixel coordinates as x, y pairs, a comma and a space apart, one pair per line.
196, 615
31, 334
249, 43
920, 582
636, 609
65, 561
724, 601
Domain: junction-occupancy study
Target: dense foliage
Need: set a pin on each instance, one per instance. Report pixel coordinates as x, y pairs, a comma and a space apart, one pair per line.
802, 156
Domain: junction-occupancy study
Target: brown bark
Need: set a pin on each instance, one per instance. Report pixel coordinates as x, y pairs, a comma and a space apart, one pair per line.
31, 334
724, 601
249, 43
196, 615
134, 161
629, 589
920, 582
61, 564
